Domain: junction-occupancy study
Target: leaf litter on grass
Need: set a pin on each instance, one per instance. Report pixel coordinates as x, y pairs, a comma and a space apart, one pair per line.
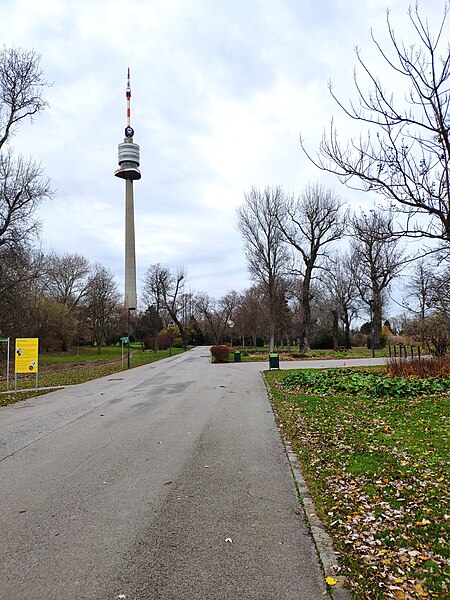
377, 466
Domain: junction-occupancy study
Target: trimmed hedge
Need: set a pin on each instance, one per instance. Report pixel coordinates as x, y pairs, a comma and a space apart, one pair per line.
220, 353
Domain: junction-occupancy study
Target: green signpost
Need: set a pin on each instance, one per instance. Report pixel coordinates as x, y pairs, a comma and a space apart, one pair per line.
125, 342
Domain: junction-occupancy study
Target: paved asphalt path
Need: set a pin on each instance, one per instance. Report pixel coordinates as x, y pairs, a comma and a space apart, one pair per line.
167, 481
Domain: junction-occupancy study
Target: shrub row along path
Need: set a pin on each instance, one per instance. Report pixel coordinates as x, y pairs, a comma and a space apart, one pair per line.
165, 481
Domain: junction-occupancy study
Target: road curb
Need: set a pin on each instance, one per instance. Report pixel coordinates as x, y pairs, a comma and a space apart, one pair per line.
322, 540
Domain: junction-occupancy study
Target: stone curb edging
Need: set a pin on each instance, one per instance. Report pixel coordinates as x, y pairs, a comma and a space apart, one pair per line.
322, 540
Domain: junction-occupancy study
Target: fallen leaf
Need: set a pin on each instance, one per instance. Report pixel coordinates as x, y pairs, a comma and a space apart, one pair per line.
331, 581
420, 591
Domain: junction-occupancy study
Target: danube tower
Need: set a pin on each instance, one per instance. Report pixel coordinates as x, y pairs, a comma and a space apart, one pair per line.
128, 170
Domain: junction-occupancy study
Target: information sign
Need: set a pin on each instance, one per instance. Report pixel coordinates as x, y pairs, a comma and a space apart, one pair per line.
27, 355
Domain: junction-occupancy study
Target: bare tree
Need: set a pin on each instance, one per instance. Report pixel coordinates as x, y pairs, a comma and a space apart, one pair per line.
405, 154
310, 223
22, 189
52, 322
20, 273
217, 314
376, 261
21, 84
149, 324
433, 331
67, 278
102, 306
249, 315
22, 186
420, 289
342, 293
166, 291
439, 300
267, 257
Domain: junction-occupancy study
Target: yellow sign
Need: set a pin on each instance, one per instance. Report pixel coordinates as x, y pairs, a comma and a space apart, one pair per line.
27, 355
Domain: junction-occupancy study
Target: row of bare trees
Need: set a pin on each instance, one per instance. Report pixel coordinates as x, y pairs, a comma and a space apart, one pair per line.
59, 299
290, 244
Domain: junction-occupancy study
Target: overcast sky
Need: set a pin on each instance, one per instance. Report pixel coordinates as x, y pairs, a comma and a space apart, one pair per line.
220, 93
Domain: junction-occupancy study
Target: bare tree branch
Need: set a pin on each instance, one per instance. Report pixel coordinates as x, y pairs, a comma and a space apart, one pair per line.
405, 154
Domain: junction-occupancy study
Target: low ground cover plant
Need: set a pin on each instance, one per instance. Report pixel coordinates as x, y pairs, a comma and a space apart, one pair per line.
374, 384
375, 457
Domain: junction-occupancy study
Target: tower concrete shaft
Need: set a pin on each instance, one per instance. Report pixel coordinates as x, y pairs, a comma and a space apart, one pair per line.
130, 248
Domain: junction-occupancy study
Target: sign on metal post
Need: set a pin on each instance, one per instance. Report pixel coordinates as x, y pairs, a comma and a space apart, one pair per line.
27, 351
124, 340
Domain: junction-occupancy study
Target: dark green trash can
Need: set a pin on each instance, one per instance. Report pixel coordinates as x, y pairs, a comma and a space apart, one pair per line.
274, 361
237, 356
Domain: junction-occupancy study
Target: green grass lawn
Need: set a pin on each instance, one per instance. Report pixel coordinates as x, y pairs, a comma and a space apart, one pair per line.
61, 369
83, 353
374, 451
262, 354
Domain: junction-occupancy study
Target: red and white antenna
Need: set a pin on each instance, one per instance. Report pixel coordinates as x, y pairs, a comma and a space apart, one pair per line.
128, 94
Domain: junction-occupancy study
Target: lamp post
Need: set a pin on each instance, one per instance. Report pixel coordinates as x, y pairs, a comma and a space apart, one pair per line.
129, 333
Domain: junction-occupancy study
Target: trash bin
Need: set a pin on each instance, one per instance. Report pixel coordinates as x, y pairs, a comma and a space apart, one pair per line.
237, 356
274, 361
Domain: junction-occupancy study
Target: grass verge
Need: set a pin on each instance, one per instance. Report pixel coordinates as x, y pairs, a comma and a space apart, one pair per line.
376, 464
262, 354
59, 370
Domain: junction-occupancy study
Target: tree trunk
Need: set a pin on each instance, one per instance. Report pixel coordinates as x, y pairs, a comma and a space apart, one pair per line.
347, 338
335, 329
272, 337
377, 324
183, 338
303, 340
305, 322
